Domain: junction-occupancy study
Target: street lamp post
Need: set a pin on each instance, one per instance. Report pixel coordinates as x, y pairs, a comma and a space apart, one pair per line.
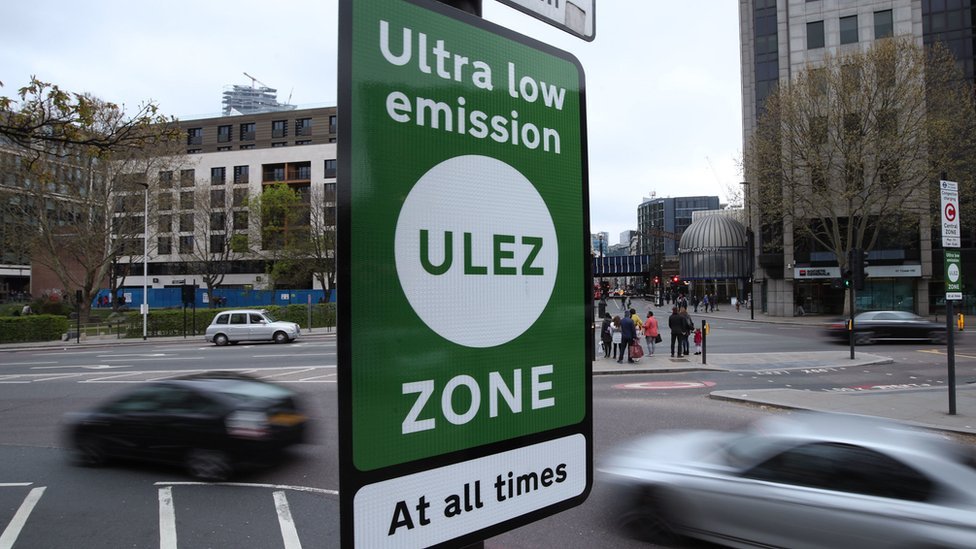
750, 250
145, 258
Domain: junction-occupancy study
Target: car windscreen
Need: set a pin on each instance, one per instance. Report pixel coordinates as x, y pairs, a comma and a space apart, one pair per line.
270, 317
249, 390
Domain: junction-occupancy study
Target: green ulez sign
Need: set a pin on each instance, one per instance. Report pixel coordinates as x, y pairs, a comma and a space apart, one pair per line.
463, 365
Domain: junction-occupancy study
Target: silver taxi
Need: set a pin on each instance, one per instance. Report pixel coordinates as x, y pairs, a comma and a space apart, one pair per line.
250, 325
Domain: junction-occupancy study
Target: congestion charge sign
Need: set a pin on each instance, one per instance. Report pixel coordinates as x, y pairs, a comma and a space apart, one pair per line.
464, 378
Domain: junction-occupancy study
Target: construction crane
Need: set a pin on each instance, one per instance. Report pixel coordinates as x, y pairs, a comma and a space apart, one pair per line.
253, 80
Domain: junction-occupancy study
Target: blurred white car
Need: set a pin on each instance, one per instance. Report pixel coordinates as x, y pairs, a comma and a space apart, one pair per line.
250, 325
804, 480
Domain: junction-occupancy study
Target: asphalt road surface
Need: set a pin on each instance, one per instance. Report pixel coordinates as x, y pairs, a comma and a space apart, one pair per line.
47, 502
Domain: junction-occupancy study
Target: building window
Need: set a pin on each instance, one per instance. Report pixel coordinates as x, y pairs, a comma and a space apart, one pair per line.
225, 133
279, 128
187, 178
186, 244
241, 174
240, 198
303, 171
216, 243
186, 223
883, 26
218, 221
330, 168
218, 199
247, 131
222, 149
303, 126
303, 142
165, 201
240, 221
217, 176
166, 180
164, 245
848, 30
194, 136
279, 144
332, 123
186, 200
165, 223
246, 147
815, 35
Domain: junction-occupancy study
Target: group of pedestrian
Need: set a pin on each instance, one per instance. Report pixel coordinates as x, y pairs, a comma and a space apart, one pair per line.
618, 333
682, 327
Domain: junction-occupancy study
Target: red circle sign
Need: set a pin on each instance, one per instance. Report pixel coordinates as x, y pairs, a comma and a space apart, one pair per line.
950, 212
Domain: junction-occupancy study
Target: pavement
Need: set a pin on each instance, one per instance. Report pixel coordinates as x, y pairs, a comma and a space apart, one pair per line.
924, 407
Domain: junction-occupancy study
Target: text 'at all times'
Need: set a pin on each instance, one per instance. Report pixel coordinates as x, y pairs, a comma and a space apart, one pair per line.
457, 118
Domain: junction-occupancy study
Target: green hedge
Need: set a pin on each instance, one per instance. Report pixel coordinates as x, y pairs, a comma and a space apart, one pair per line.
32, 328
169, 322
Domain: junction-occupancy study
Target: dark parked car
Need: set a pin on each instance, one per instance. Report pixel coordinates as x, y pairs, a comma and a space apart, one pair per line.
799, 481
878, 325
211, 423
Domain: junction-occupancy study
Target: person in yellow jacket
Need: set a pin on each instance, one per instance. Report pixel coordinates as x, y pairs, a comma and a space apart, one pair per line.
638, 325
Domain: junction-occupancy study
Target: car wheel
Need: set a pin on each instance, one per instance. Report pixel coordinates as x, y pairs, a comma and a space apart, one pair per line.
938, 337
208, 464
88, 451
645, 519
220, 340
863, 338
281, 337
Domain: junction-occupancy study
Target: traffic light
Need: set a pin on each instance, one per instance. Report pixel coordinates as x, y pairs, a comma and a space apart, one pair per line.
657, 280
857, 262
846, 278
675, 279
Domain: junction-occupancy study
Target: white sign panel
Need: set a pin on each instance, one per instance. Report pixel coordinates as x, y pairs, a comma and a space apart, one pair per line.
950, 214
816, 272
437, 505
573, 16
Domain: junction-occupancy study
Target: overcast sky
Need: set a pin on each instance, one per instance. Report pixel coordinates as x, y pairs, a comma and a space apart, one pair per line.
663, 90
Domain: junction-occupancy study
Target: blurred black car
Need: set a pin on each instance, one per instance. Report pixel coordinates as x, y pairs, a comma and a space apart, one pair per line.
212, 423
872, 326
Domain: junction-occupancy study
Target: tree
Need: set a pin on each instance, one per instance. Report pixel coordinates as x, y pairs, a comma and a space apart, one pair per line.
284, 215
216, 241
82, 167
849, 150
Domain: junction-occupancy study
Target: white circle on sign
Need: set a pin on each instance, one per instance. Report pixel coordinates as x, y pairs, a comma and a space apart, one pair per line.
476, 251
953, 273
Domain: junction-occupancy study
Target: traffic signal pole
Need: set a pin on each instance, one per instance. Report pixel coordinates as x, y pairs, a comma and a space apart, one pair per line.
850, 325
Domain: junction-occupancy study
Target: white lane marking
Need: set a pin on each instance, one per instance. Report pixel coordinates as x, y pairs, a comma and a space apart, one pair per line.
252, 485
14, 484
289, 534
12, 531
57, 376
133, 354
288, 356
28, 363
167, 519
66, 352
87, 367
292, 372
310, 379
152, 359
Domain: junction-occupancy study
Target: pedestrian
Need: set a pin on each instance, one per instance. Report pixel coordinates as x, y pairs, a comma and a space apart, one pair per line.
705, 302
713, 301
651, 332
698, 341
616, 336
638, 324
694, 302
688, 328
677, 325
606, 336
627, 335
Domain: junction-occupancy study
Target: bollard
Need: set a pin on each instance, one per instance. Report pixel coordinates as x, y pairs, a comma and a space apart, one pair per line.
704, 340
961, 322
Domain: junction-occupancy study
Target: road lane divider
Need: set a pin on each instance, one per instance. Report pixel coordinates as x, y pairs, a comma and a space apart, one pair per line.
12, 531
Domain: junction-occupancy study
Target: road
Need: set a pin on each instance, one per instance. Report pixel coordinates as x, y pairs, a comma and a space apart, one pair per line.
45, 502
